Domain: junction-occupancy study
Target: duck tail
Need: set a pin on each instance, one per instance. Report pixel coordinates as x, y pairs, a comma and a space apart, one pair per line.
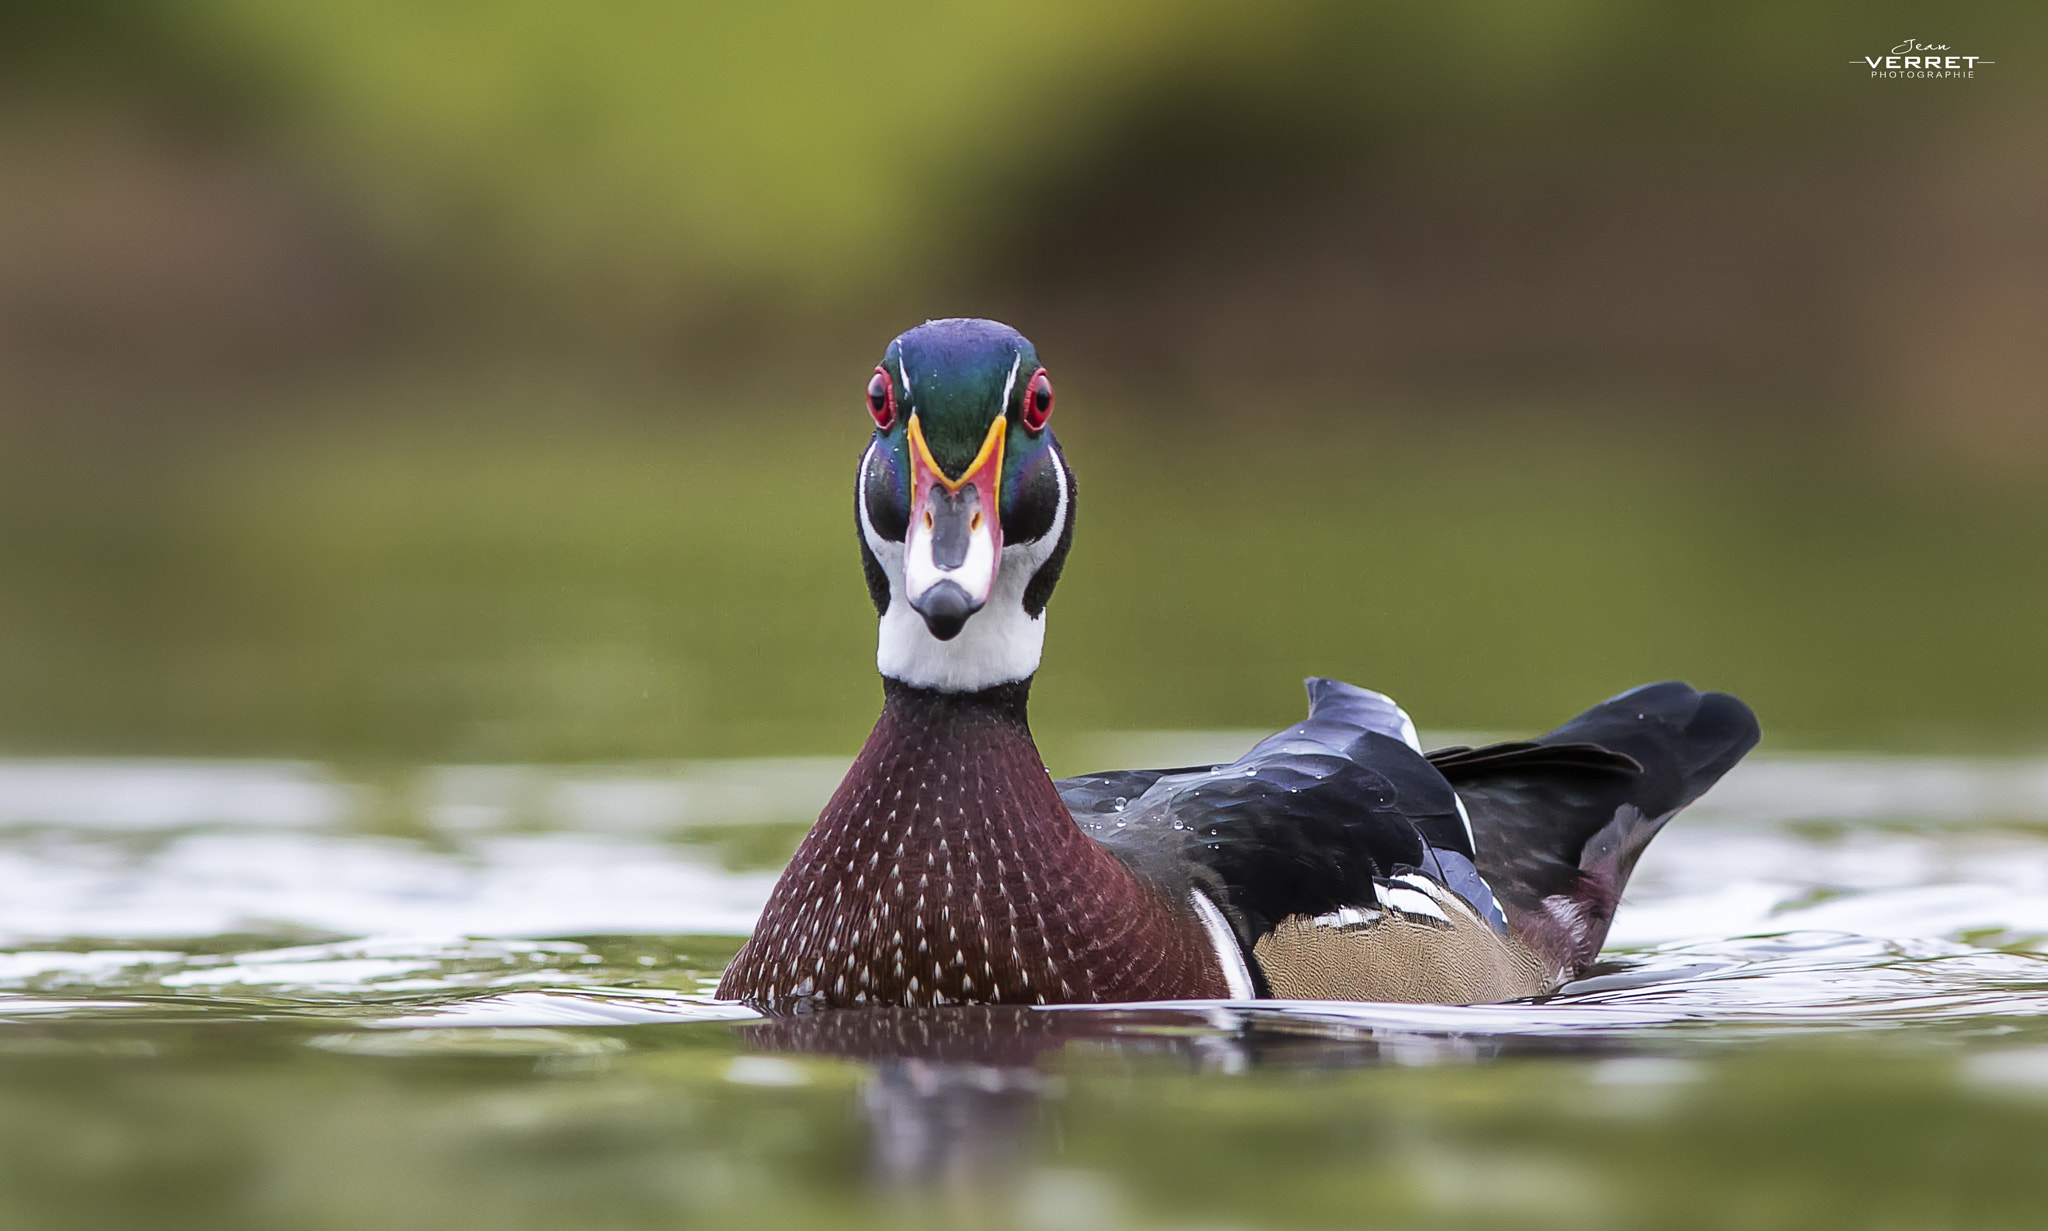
1560, 821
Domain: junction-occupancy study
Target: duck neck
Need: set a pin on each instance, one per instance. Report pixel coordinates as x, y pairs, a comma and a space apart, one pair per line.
946, 869
1000, 711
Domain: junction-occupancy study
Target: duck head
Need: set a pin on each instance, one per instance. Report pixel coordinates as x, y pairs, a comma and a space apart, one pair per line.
965, 506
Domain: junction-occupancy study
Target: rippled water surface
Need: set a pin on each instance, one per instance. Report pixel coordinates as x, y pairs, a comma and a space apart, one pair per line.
268, 995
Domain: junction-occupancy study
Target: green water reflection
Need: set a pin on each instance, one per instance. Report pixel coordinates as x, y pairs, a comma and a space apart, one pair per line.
257, 1125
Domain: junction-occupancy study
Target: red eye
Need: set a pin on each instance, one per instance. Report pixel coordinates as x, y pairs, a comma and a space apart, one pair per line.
882, 399
1037, 401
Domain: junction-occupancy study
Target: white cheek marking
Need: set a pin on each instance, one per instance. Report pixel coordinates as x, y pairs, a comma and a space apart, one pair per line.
1059, 510
1236, 975
885, 550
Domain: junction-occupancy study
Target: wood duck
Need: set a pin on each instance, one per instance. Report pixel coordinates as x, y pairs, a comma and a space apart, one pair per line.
1334, 860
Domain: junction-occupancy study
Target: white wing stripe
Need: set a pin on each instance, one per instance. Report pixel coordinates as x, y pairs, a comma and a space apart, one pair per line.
1412, 902
1236, 975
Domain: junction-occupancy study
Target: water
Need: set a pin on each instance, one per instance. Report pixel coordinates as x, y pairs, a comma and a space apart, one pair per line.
264, 994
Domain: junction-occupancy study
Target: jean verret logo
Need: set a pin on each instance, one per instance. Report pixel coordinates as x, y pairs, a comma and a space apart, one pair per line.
1914, 58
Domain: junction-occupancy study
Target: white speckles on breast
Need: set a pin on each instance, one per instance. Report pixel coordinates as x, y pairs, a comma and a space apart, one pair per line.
1043, 908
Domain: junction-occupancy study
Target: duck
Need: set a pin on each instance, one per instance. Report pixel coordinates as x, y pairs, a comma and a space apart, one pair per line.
1334, 860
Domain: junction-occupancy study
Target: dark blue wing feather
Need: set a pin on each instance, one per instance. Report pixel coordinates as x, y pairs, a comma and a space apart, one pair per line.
1338, 714
1311, 820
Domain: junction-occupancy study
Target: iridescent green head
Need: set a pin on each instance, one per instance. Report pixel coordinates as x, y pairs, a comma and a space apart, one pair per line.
965, 505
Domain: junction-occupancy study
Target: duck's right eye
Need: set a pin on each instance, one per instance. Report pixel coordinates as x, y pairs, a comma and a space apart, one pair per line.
1037, 401
882, 399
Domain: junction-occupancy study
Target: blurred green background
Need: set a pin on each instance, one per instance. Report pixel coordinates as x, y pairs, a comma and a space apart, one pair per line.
464, 381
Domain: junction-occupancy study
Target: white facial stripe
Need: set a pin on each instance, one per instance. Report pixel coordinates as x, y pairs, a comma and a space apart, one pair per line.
867, 458
1042, 547
888, 552
903, 366
1059, 509
1237, 976
860, 498
1011, 383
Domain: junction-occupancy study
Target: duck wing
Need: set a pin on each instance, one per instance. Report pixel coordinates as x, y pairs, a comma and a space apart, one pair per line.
1337, 818
1561, 820
1339, 714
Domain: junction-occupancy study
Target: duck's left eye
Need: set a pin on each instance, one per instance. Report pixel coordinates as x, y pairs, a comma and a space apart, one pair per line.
1037, 401
882, 399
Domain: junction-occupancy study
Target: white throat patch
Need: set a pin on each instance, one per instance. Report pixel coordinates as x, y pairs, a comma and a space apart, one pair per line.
999, 644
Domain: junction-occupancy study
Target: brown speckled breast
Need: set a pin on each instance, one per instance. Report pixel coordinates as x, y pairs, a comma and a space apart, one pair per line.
946, 870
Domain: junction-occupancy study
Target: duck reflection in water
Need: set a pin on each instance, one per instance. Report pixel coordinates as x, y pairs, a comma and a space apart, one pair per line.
963, 1097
